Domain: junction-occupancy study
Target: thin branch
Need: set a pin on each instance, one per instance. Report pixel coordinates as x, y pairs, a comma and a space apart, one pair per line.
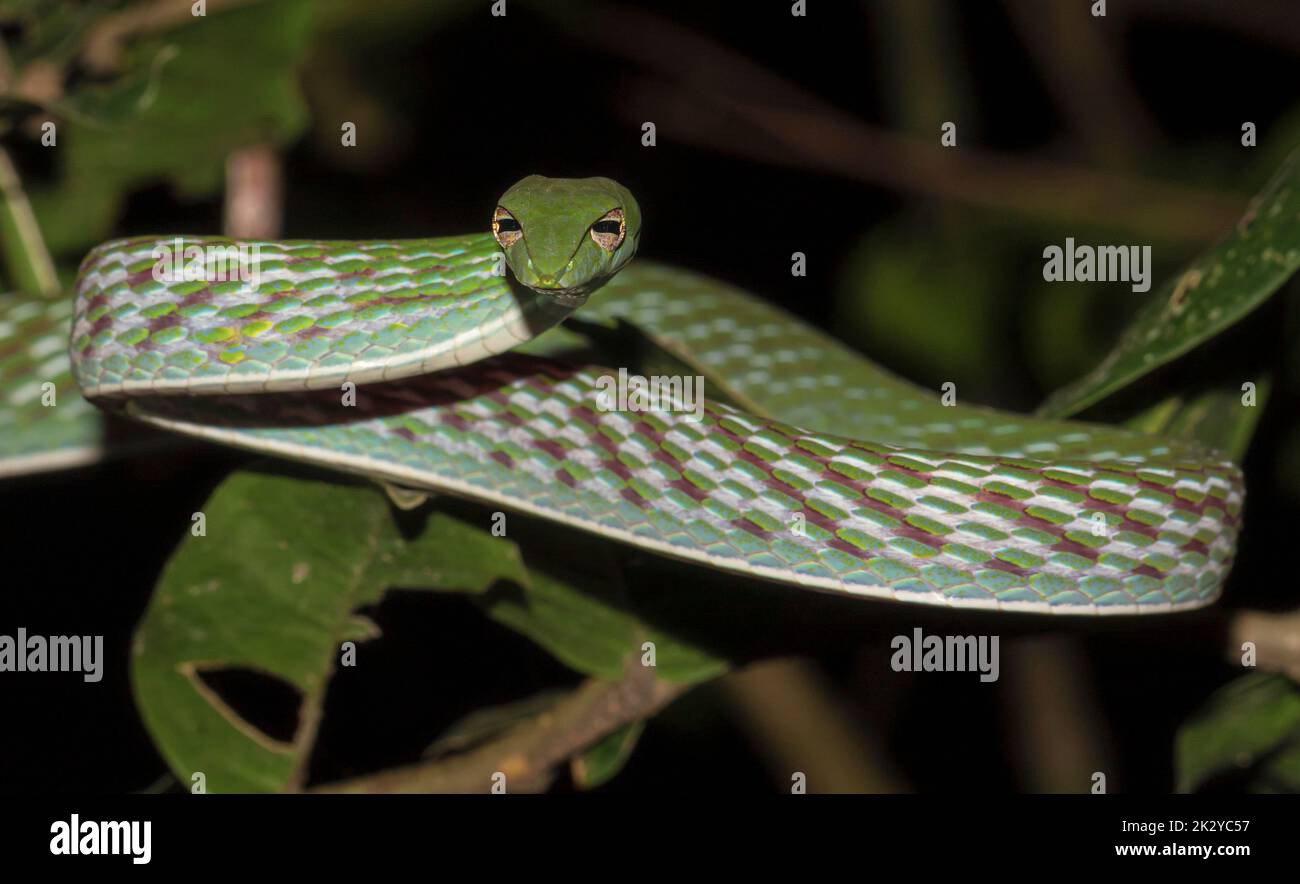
254, 207
1058, 733
7, 75
20, 236
800, 723
1070, 47
710, 95
1268, 21
102, 48
1276, 638
982, 178
529, 754
919, 62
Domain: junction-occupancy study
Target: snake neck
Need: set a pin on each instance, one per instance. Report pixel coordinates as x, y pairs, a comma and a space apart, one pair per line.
543, 311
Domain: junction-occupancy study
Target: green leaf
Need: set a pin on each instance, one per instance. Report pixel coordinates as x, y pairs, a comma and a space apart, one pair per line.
131, 95
1218, 418
1214, 292
482, 725
274, 587
51, 30
1248, 730
230, 84
576, 607
603, 761
573, 611
680, 661
100, 105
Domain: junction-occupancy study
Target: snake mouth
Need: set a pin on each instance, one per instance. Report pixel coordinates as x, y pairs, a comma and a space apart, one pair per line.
570, 297
567, 296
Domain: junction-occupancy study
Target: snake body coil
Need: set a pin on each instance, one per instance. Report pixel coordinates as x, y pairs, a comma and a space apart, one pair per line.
830, 473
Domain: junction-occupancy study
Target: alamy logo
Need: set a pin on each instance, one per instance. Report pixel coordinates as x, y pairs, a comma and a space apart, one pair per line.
951, 653
56, 653
1098, 264
87, 837
656, 393
215, 262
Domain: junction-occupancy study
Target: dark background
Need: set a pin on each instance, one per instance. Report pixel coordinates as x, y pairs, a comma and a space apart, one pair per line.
454, 105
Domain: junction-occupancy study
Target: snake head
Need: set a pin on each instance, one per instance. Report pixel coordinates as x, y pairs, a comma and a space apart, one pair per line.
565, 237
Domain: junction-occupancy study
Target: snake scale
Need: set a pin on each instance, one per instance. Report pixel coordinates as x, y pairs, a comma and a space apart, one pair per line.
810, 466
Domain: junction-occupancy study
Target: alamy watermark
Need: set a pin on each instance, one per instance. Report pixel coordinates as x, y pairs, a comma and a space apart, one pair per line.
55, 653
178, 261
665, 393
946, 653
78, 837
1075, 263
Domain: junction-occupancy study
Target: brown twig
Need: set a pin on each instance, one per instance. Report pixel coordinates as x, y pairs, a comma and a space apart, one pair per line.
1269, 21
1031, 187
919, 60
1071, 47
21, 242
529, 754
1276, 638
709, 95
102, 48
254, 207
801, 724
1059, 738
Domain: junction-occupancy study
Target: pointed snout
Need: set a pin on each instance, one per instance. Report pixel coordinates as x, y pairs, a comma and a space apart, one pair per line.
549, 272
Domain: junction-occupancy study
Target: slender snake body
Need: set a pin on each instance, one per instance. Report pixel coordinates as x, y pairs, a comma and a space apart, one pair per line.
824, 471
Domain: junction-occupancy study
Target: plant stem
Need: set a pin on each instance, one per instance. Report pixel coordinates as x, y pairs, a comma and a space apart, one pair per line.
529, 754
31, 269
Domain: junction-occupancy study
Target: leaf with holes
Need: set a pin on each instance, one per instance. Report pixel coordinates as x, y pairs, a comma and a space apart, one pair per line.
263, 601
1215, 291
272, 590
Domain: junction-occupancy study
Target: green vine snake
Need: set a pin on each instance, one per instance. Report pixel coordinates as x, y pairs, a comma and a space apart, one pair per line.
807, 464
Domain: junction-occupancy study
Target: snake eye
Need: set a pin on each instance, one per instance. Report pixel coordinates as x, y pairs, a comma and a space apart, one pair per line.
505, 228
608, 232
